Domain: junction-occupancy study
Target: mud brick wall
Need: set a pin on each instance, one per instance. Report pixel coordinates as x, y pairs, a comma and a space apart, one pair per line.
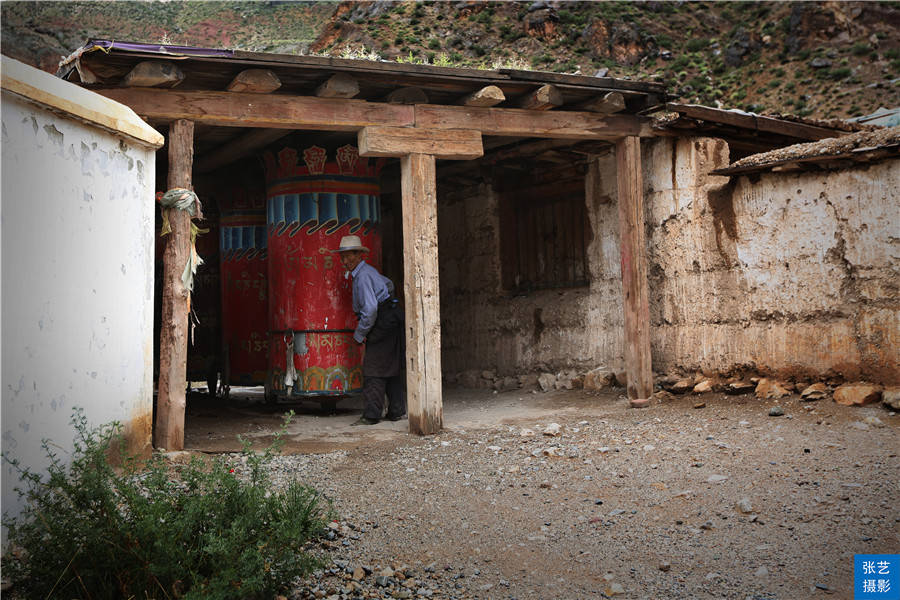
485, 327
787, 273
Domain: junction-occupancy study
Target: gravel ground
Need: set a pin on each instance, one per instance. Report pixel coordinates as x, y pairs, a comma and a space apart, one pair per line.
666, 502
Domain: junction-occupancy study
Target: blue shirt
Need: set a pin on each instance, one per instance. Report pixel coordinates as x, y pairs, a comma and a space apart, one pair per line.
369, 289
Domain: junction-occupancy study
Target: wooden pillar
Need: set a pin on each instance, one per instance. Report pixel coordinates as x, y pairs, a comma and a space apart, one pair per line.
175, 297
418, 149
634, 271
423, 310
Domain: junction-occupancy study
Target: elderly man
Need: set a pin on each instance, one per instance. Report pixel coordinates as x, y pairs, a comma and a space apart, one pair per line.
381, 328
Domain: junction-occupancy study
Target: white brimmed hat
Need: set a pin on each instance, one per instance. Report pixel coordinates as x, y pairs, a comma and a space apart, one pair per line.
351, 242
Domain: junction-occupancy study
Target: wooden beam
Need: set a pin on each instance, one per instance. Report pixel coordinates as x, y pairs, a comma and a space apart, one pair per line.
244, 145
755, 122
235, 109
487, 96
528, 123
423, 310
173, 335
634, 271
232, 109
407, 95
609, 103
543, 98
256, 81
454, 144
154, 73
339, 85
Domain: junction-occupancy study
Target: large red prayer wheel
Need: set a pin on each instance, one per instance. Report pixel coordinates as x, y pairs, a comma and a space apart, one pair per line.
310, 206
244, 287
244, 297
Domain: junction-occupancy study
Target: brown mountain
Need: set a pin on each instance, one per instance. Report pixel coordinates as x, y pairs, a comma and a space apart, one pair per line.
819, 59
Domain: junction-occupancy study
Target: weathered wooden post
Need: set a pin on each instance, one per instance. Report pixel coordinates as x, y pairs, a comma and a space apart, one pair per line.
173, 335
417, 149
423, 310
634, 271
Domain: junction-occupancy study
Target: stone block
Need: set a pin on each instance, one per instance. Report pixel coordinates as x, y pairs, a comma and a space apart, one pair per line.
599, 378
857, 394
769, 388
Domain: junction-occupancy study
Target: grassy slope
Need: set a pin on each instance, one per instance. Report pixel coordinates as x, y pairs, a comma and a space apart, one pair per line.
861, 41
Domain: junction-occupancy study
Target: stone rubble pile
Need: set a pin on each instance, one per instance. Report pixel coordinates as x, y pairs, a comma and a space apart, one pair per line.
855, 393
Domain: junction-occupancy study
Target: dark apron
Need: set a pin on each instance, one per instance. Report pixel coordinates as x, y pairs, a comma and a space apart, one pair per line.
385, 343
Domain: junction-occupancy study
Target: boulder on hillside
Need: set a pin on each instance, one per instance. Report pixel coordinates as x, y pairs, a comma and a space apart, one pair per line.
742, 44
626, 44
596, 37
542, 23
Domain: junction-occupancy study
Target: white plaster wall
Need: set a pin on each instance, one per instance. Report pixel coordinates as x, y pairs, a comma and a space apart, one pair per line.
77, 281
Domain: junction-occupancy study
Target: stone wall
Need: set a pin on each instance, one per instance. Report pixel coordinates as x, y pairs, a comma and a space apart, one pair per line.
792, 274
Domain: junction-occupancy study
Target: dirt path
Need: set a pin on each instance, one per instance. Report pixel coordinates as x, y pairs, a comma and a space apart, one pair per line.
666, 502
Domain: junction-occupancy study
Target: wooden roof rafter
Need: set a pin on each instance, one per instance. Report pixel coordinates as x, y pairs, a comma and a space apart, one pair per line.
213, 70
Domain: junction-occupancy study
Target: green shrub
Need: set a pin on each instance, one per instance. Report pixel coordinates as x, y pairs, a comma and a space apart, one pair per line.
697, 44
434, 44
680, 63
860, 48
199, 531
840, 73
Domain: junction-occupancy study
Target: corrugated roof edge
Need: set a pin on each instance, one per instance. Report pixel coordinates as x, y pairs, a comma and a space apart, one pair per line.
69, 100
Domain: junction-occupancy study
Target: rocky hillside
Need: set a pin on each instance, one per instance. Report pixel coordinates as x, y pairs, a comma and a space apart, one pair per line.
818, 59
